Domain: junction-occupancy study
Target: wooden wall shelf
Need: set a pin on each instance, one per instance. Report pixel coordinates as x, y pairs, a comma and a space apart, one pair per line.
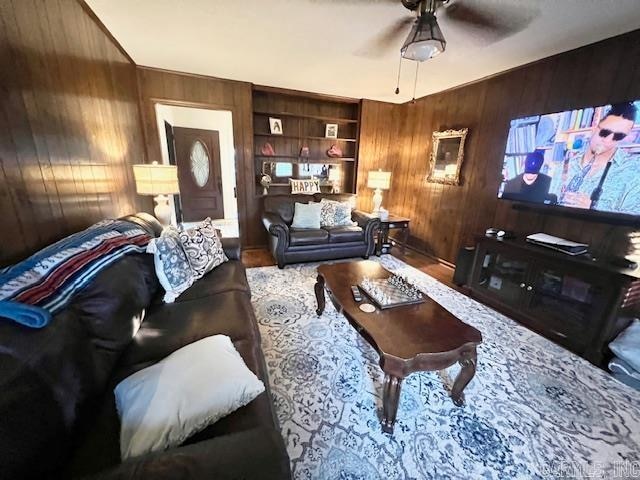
315, 117
304, 118
304, 137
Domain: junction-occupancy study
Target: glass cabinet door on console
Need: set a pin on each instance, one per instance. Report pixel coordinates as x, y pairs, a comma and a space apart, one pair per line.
568, 301
503, 276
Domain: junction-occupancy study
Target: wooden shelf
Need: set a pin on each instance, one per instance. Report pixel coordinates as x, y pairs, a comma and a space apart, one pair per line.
304, 137
302, 115
309, 160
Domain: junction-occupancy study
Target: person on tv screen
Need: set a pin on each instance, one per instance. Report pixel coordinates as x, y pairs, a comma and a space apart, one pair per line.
530, 186
600, 174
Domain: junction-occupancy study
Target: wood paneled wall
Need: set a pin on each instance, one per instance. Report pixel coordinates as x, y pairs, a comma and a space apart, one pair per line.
398, 138
173, 88
69, 125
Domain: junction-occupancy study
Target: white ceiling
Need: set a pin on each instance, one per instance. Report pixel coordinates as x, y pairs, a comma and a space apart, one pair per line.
316, 45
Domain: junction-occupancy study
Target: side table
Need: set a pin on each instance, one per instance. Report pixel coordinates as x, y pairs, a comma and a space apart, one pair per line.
393, 222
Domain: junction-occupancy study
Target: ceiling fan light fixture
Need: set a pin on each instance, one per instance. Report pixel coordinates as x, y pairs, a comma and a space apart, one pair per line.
425, 40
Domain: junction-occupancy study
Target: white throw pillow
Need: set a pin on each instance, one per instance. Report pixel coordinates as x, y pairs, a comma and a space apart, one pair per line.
172, 266
163, 405
203, 247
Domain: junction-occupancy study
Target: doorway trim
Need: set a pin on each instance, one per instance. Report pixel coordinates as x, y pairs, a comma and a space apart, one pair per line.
242, 184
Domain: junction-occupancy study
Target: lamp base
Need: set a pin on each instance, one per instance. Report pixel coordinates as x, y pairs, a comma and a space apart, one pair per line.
162, 209
377, 202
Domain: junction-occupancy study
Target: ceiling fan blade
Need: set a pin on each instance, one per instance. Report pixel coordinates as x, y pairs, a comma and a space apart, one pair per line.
491, 22
391, 37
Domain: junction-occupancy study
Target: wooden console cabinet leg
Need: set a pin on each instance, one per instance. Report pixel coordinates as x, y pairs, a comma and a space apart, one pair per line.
390, 398
468, 370
319, 289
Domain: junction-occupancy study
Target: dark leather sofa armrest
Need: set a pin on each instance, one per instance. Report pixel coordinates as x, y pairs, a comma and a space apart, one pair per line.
362, 218
232, 248
370, 225
257, 454
275, 225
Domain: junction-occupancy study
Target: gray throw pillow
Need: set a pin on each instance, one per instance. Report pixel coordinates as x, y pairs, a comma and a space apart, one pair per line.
627, 345
164, 404
203, 247
307, 215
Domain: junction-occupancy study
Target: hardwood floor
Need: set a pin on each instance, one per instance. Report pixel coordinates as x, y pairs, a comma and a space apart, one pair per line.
261, 257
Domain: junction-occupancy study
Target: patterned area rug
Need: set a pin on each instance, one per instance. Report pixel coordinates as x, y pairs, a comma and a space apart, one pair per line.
533, 410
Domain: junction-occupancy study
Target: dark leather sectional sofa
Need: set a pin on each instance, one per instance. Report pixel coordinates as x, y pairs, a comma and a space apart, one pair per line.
57, 410
290, 245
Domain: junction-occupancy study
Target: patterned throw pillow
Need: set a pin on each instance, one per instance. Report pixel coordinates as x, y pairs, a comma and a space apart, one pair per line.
334, 214
203, 247
172, 267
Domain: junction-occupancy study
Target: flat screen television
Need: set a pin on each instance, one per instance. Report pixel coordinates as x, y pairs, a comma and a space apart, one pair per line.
586, 159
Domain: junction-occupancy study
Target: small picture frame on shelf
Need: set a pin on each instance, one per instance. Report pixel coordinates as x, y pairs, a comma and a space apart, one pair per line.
275, 126
331, 130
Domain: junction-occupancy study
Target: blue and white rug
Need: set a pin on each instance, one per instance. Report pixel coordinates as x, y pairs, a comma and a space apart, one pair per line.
533, 410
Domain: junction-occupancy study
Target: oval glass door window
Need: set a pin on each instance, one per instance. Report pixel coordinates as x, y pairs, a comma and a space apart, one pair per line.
199, 163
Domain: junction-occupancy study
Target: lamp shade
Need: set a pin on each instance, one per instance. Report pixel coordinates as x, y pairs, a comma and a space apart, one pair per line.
425, 40
379, 179
154, 179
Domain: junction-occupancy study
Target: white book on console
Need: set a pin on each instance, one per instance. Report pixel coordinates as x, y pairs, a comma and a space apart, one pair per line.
557, 243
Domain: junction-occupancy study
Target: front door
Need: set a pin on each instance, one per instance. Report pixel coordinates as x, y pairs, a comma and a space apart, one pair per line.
199, 173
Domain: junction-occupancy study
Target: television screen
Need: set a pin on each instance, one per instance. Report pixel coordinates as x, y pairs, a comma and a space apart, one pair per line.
587, 158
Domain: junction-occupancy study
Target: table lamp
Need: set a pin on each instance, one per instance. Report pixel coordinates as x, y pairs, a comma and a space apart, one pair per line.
159, 181
380, 181
334, 177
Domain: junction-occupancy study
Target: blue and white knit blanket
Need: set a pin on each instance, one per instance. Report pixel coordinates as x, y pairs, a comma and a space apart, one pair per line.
51, 277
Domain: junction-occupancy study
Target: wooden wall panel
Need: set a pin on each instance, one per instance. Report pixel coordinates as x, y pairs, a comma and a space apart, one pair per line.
69, 125
444, 217
173, 88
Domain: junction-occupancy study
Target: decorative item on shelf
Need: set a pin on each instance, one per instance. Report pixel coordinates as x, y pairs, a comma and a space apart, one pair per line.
335, 177
159, 181
447, 156
334, 152
267, 150
265, 181
384, 214
304, 152
331, 130
378, 180
305, 187
275, 126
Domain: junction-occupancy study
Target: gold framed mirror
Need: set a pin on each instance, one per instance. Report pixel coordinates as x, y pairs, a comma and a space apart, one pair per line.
447, 153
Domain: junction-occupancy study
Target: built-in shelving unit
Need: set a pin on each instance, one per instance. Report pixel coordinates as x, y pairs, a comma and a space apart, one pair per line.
304, 118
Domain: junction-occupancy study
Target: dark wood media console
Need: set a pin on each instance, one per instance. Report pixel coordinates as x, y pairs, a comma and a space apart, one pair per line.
578, 302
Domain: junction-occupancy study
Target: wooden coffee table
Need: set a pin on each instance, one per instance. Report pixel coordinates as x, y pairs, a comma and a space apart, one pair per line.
412, 338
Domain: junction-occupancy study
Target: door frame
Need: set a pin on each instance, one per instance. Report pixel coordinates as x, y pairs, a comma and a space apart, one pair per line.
242, 183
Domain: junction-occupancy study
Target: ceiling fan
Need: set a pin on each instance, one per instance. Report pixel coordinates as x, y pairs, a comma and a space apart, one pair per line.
487, 21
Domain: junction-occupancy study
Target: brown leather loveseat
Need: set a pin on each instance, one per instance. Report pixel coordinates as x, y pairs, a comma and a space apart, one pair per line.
57, 410
290, 245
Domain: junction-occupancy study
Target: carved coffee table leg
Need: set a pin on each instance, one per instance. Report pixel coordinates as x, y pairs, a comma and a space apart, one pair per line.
319, 288
468, 370
390, 397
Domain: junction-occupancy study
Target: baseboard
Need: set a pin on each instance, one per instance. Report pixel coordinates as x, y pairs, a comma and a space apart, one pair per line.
426, 254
